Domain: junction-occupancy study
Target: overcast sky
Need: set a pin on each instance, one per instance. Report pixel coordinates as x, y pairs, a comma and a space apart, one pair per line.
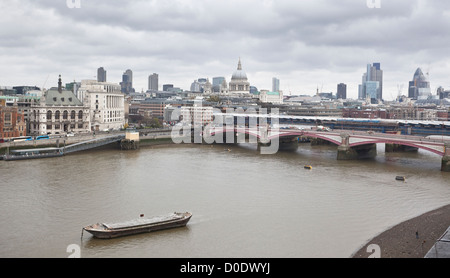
306, 44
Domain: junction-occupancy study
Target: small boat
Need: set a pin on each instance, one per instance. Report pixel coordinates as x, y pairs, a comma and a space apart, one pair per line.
309, 167
33, 154
137, 226
400, 178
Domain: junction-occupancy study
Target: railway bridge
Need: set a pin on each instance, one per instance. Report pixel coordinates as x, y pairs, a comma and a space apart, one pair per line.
350, 145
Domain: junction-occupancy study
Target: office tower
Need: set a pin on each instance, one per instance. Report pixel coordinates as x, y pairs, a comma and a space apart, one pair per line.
101, 75
419, 87
341, 91
167, 87
275, 84
153, 82
196, 86
217, 83
372, 83
127, 82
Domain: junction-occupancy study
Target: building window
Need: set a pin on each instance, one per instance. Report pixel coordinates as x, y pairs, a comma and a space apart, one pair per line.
80, 115
49, 115
65, 115
49, 127
80, 125
57, 115
72, 115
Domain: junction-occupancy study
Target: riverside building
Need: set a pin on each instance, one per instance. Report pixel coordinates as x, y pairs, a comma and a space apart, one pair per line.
106, 104
59, 111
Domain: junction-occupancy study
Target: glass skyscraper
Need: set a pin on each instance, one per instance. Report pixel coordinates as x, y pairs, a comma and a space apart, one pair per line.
419, 87
372, 83
275, 84
127, 82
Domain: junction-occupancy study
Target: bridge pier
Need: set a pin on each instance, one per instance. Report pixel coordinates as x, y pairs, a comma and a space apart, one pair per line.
131, 141
446, 159
289, 146
345, 152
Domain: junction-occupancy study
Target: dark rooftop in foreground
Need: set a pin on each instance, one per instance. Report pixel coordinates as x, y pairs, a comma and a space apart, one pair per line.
441, 249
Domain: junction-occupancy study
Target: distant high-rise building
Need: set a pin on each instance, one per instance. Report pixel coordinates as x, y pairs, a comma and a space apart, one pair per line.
196, 86
217, 83
101, 74
199, 85
153, 82
341, 91
442, 93
419, 87
377, 66
254, 90
275, 84
372, 83
127, 82
167, 87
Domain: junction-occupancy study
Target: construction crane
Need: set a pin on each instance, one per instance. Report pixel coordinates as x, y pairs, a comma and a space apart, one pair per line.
45, 82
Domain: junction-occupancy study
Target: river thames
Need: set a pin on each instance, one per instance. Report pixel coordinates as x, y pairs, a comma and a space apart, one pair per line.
244, 204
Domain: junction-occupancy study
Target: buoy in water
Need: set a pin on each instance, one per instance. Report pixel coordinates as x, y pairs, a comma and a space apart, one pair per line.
309, 167
400, 178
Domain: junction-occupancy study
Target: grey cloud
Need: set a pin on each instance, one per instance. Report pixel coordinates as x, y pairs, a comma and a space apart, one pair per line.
197, 38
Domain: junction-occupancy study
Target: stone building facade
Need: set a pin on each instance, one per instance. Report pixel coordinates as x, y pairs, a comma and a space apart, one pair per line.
106, 104
59, 112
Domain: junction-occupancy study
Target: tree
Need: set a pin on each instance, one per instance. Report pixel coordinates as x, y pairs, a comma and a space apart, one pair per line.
214, 98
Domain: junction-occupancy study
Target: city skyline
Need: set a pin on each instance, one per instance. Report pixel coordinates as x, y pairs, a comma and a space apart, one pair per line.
306, 45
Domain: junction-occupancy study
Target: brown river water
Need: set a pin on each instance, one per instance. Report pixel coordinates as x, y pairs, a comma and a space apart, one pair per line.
244, 204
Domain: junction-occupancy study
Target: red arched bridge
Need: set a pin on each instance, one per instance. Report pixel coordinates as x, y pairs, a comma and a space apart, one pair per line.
351, 145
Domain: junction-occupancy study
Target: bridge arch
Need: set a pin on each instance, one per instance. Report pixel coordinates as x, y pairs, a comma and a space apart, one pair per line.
403, 143
336, 139
323, 136
235, 131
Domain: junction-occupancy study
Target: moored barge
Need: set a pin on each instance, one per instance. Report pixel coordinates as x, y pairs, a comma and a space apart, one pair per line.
137, 226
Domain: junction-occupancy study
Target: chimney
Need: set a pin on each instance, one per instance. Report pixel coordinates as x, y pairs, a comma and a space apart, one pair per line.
59, 85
